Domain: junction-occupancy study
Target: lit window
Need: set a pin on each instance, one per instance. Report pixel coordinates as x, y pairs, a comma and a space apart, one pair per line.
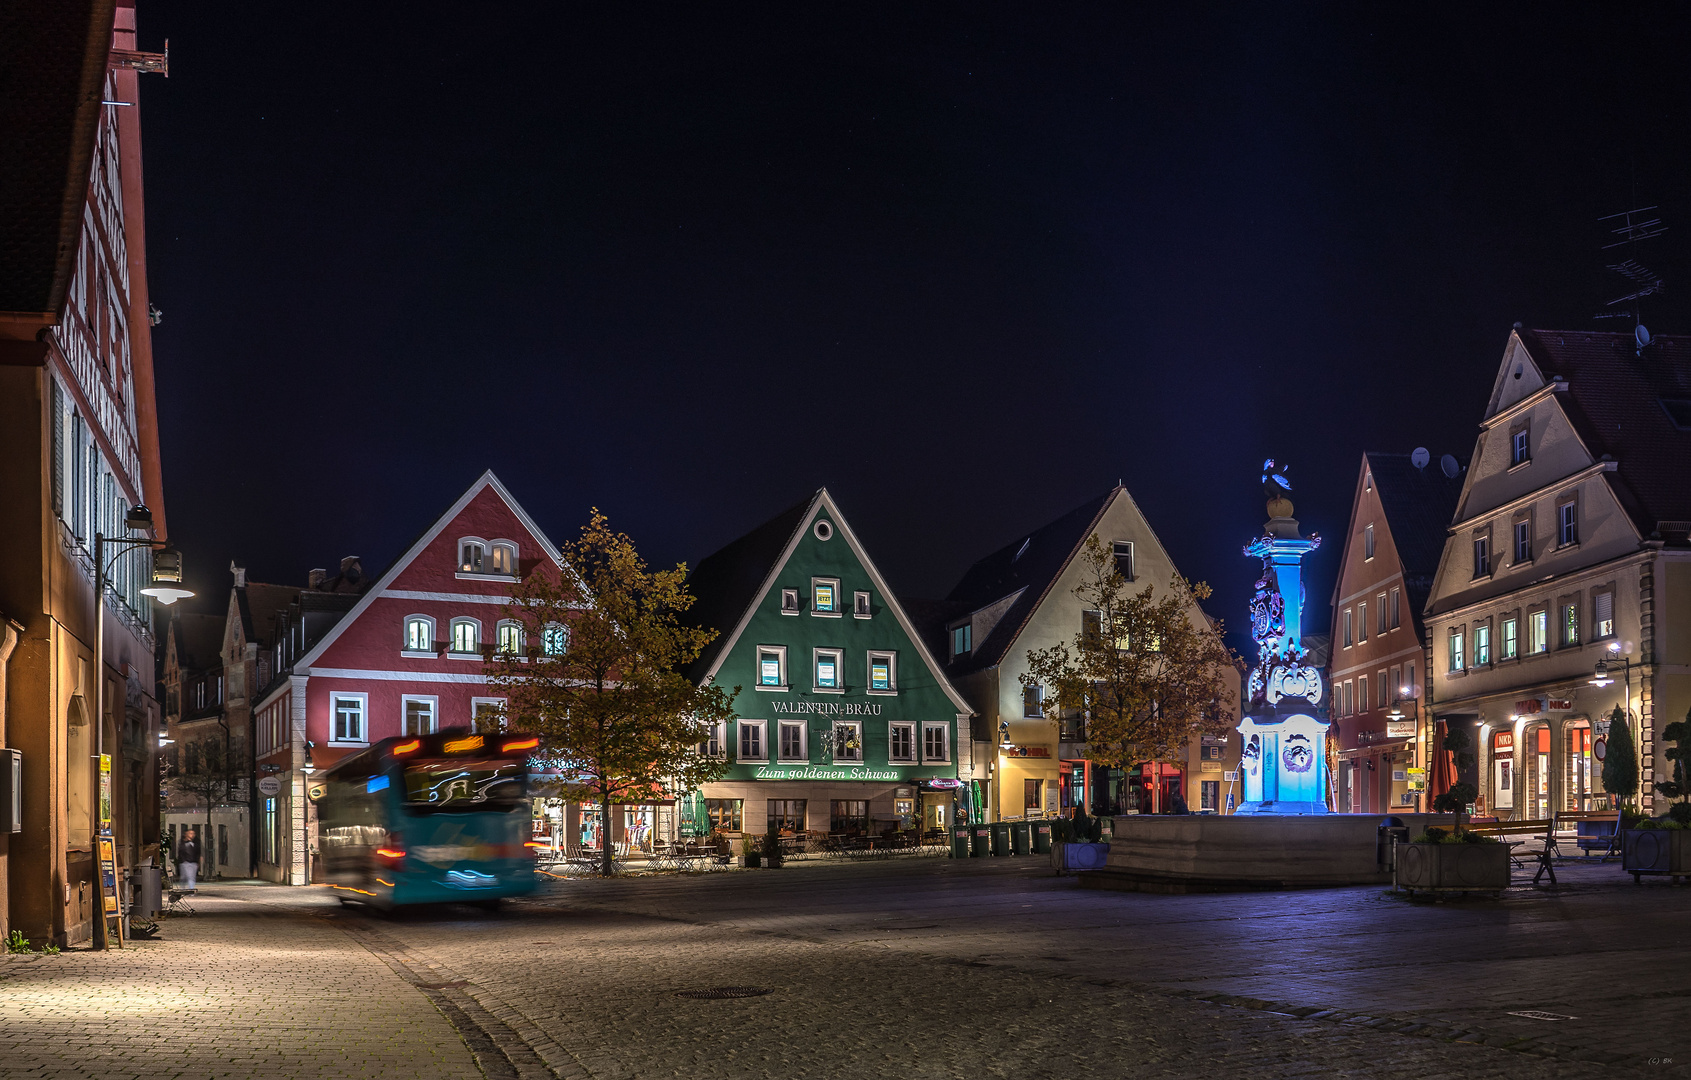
1518, 451
792, 741
555, 639
511, 638
1368, 541
901, 742
1482, 645
1567, 524
466, 636
961, 640
418, 718
825, 596
1511, 639
470, 556
936, 739
504, 558
1523, 542
419, 634
848, 741
1456, 660
349, 718
860, 605
1033, 702
882, 672
1603, 615
1538, 632
752, 746
1570, 624
828, 675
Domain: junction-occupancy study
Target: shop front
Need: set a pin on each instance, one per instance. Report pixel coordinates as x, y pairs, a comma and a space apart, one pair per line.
1543, 758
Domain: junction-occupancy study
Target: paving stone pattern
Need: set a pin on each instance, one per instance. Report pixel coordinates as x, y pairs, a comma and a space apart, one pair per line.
924, 968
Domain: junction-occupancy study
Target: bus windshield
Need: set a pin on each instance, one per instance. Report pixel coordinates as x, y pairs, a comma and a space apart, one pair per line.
462, 784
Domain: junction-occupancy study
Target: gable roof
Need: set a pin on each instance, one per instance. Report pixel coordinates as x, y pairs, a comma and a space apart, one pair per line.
199, 640
1614, 400
1419, 505
259, 604
50, 94
729, 585
485, 481
1031, 564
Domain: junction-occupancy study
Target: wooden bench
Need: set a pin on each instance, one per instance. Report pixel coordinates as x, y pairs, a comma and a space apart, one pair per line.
1545, 828
1588, 837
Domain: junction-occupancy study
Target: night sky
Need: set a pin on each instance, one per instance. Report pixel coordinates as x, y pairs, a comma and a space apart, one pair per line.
964, 266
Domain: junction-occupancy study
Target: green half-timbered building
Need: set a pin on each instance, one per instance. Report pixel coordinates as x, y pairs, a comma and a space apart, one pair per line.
846, 724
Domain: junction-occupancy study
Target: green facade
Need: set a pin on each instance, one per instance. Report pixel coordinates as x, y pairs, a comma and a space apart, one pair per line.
919, 699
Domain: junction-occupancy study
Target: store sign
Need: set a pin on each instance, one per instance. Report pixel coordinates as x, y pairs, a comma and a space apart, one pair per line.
814, 772
1528, 707
1231, 778
1400, 729
1503, 741
1028, 751
269, 785
1557, 704
825, 708
1209, 766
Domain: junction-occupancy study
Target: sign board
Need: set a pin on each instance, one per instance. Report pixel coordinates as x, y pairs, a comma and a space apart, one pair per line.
1558, 704
1417, 779
110, 913
1400, 776
270, 785
1209, 766
1600, 728
105, 793
314, 792
1229, 802
1503, 742
1231, 778
1528, 707
1600, 749
1400, 729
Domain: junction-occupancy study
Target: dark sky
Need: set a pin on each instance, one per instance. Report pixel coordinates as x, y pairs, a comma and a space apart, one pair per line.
966, 266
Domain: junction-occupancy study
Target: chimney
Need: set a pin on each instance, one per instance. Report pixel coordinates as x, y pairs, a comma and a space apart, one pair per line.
351, 569
314, 578
240, 573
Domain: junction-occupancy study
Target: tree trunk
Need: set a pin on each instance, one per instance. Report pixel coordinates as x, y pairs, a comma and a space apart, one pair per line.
605, 849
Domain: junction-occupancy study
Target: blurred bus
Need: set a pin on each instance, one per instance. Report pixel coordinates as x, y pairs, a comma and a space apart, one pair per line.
440, 818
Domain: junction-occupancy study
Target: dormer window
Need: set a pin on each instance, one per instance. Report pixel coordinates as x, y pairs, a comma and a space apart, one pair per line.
478, 556
789, 601
860, 605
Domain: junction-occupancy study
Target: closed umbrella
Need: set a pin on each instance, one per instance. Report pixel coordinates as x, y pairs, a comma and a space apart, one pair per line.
1444, 764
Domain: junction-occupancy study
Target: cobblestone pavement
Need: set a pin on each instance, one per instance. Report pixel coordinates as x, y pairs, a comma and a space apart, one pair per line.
934, 968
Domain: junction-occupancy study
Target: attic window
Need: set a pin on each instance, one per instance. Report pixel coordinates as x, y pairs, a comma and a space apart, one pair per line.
823, 530
1679, 411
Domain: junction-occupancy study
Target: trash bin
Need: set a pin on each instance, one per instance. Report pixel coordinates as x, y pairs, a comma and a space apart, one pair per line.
960, 841
1041, 837
980, 841
1001, 838
1392, 831
1021, 838
147, 900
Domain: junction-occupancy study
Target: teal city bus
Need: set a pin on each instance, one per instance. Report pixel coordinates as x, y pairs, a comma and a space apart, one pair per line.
429, 819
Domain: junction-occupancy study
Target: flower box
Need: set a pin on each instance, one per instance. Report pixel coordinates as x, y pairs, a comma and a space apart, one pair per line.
1656, 851
1452, 868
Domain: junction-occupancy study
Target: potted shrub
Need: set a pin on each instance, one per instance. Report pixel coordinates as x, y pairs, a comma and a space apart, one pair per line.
1662, 845
1453, 860
772, 845
1076, 843
750, 854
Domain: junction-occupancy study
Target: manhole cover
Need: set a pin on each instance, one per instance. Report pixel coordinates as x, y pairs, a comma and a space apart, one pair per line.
444, 985
727, 992
1539, 1014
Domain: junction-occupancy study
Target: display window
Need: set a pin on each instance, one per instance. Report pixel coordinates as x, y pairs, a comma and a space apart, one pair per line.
1503, 770
1581, 769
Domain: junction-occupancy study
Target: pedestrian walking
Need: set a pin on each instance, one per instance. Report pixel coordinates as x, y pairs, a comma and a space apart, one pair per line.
188, 862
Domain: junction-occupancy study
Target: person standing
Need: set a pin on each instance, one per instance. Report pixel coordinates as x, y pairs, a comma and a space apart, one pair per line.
188, 861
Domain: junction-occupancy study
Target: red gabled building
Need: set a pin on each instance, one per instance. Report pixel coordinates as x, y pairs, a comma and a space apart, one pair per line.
408, 658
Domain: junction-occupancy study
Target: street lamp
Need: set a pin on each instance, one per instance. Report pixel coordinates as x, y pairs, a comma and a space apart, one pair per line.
309, 767
165, 588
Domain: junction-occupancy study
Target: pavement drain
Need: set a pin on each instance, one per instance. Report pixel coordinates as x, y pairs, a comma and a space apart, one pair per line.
717, 992
1540, 1014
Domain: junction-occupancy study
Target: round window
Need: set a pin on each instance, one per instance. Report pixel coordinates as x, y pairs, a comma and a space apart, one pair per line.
823, 531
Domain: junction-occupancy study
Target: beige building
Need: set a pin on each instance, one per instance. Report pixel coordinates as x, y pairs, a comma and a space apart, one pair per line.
1021, 598
1569, 547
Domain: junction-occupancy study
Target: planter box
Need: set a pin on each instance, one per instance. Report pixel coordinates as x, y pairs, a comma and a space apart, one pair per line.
1073, 856
1656, 851
1440, 868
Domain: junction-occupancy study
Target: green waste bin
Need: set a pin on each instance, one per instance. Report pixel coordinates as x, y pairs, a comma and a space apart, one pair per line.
1001, 838
1041, 837
960, 841
980, 841
1021, 838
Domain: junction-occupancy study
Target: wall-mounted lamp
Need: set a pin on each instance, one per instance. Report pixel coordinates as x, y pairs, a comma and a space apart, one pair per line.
309, 767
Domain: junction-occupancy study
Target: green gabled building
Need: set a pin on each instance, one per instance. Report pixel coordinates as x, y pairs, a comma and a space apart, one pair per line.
846, 723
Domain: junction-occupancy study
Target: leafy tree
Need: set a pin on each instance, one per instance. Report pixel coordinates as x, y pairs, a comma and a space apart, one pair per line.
1147, 670
210, 773
1678, 733
1620, 764
597, 675
1459, 742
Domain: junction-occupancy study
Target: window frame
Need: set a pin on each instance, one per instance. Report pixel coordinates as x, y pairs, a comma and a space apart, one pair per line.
1033, 697
862, 604
1567, 523
719, 738
363, 699
499, 630
716, 815
1132, 571
1380, 626
1482, 644
1395, 597
789, 601
908, 726
547, 633
1597, 620
508, 547
1538, 632
832, 584
816, 655
741, 726
944, 730
1456, 654
406, 645
467, 568
1521, 541
1368, 542
780, 652
1482, 554
781, 730
452, 650
1350, 633
891, 657
1567, 623
405, 703
962, 639
856, 725
1520, 444
1361, 621
475, 710
1509, 638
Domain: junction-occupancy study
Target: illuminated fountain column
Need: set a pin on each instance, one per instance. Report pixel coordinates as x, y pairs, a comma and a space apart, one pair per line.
1285, 760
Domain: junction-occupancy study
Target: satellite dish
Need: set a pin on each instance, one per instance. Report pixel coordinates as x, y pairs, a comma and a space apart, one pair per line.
1420, 457
1641, 335
1451, 469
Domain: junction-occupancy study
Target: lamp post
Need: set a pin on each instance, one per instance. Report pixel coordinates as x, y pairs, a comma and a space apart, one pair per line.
166, 588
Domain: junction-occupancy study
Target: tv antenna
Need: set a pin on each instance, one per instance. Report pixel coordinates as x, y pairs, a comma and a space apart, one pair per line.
1628, 228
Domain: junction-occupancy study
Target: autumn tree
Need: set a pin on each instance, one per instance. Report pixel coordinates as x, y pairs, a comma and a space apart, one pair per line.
1147, 669
595, 672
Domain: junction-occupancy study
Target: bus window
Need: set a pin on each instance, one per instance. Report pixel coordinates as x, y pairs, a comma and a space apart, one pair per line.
461, 783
